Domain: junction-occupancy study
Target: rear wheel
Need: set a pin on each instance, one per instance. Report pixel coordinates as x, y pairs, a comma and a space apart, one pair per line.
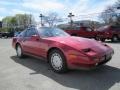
102, 39
19, 51
114, 38
57, 61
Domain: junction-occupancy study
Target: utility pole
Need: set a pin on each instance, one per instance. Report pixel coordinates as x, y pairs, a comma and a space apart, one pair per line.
70, 16
41, 18
30, 19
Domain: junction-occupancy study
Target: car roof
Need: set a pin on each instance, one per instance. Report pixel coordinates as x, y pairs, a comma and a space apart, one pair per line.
46, 27
38, 26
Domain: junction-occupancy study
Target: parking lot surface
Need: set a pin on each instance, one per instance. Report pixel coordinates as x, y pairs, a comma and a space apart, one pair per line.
34, 74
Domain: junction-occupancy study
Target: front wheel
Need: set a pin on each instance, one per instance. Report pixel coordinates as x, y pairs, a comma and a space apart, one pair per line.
19, 51
57, 61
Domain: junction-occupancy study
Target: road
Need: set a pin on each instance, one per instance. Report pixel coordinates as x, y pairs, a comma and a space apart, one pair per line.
34, 74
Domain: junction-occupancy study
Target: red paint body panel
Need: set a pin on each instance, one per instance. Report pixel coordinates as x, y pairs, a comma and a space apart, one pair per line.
72, 48
83, 32
107, 32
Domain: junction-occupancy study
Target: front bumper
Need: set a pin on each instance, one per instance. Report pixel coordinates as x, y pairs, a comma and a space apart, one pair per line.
78, 63
90, 66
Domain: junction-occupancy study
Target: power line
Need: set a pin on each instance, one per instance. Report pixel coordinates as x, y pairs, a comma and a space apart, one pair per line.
91, 15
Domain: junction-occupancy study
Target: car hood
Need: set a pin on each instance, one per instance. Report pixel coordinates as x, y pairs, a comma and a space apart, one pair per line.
81, 43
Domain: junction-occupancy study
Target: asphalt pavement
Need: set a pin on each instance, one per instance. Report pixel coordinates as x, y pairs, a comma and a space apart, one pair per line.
34, 74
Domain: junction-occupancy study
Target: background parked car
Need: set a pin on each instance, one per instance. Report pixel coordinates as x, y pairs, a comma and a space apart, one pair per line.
6, 34
61, 50
82, 32
109, 32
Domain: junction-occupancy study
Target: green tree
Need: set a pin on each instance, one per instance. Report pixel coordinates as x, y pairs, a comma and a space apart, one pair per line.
111, 14
24, 20
52, 19
19, 21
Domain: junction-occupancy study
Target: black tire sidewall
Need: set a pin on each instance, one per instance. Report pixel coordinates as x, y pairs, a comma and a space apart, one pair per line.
113, 38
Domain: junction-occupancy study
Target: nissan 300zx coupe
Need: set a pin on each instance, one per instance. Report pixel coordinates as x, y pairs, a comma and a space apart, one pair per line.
61, 50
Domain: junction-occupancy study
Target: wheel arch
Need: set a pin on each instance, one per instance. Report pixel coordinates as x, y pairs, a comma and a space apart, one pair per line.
17, 45
53, 48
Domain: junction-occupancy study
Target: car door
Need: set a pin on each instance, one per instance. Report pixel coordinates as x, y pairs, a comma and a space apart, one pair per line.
43, 45
28, 42
90, 33
82, 32
34, 45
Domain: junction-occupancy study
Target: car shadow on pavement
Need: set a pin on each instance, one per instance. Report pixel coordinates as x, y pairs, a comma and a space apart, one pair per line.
99, 79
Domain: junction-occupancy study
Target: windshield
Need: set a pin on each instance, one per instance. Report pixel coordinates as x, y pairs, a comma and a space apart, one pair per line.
51, 32
104, 28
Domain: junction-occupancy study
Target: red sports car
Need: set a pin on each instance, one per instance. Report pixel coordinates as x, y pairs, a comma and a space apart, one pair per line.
61, 50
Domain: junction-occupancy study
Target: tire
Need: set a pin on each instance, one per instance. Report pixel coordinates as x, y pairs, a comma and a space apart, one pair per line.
19, 51
57, 61
5, 36
97, 38
102, 39
114, 38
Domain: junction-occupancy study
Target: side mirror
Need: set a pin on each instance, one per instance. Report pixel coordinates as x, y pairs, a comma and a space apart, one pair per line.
35, 37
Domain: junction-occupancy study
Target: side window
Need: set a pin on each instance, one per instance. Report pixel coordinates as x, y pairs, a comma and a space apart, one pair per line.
88, 29
22, 34
45, 33
30, 32
77, 28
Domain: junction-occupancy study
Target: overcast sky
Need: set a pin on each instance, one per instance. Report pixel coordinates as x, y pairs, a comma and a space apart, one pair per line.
82, 9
